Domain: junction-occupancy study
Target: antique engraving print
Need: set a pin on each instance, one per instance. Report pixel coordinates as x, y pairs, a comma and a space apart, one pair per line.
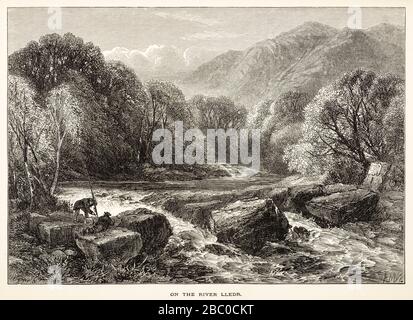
188, 145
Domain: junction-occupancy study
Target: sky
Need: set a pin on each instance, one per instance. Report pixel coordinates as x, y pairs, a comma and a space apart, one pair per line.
178, 37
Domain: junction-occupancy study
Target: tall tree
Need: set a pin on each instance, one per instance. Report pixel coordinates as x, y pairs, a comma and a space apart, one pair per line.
166, 104
28, 128
47, 62
346, 120
64, 113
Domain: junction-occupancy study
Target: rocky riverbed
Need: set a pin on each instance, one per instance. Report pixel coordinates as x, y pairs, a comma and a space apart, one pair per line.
310, 252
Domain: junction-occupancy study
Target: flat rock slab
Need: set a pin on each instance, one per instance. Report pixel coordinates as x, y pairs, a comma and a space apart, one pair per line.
339, 208
153, 227
36, 218
116, 246
56, 233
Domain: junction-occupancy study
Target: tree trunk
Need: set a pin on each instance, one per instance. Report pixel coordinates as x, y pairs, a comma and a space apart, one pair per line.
56, 173
29, 178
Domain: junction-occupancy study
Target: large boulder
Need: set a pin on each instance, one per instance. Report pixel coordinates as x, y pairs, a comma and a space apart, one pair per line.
36, 218
56, 233
54, 229
299, 195
341, 207
153, 227
116, 246
249, 225
198, 213
280, 197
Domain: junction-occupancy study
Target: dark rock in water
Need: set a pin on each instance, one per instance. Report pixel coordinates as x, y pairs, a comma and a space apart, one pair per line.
220, 249
308, 200
279, 196
123, 197
301, 233
339, 208
116, 246
153, 227
173, 204
103, 194
299, 195
271, 248
199, 214
249, 225
304, 264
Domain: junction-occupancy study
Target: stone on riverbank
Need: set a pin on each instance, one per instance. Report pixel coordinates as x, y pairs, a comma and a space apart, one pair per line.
299, 195
55, 229
331, 205
338, 208
249, 225
116, 246
198, 213
56, 233
153, 227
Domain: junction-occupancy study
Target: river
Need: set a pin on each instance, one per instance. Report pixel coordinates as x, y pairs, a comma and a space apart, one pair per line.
336, 255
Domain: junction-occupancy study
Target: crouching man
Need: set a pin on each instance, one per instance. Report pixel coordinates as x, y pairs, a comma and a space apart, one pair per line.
85, 205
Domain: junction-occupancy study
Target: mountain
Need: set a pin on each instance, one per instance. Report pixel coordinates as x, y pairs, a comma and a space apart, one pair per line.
304, 58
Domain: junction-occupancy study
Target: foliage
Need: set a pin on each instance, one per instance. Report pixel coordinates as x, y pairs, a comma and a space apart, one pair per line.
74, 114
218, 113
351, 121
280, 121
47, 63
28, 141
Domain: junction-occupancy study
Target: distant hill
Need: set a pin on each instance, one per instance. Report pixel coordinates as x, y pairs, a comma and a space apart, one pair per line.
304, 58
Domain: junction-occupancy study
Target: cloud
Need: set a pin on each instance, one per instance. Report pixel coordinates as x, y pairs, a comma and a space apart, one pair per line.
165, 57
195, 56
132, 58
186, 16
212, 35
158, 60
